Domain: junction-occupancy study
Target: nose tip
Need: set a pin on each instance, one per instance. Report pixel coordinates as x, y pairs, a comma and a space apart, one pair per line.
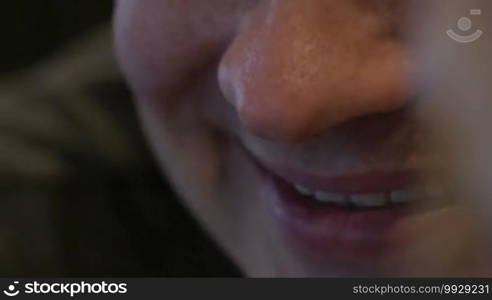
292, 78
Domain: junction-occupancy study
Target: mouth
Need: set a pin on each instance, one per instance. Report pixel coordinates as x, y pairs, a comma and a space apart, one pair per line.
343, 218
370, 190
357, 200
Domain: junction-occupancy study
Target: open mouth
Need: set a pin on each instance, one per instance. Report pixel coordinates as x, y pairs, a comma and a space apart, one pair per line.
357, 200
345, 218
330, 225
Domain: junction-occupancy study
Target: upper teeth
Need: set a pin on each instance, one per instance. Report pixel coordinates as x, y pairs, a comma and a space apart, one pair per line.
362, 199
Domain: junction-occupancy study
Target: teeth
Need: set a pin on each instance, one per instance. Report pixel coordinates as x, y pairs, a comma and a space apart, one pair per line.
303, 190
368, 200
330, 197
402, 196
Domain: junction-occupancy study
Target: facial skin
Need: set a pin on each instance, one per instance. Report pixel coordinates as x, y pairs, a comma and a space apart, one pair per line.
233, 91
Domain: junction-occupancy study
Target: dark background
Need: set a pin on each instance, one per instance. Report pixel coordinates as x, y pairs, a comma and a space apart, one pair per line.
33, 29
169, 244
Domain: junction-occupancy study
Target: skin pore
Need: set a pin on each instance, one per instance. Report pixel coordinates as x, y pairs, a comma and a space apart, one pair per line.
234, 92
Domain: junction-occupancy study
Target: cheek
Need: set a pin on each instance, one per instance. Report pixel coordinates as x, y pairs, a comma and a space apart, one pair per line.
163, 45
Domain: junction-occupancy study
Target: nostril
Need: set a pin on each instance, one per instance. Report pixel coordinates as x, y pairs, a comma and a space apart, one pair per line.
275, 122
291, 92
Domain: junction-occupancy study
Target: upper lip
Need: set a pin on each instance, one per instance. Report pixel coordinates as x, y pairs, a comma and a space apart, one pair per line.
348, 182
353, 171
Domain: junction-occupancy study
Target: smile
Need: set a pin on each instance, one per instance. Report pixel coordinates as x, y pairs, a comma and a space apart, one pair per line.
362, 200
343, 217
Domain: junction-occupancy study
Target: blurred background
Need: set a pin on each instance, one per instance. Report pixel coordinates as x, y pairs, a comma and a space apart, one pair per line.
33, 30
80, 194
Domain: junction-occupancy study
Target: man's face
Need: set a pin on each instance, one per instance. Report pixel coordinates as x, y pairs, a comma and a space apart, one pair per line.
286, 126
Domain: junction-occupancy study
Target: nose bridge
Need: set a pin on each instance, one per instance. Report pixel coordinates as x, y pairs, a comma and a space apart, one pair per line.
299, 67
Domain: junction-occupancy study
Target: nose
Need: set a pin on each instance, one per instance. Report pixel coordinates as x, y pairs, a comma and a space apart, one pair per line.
298, 68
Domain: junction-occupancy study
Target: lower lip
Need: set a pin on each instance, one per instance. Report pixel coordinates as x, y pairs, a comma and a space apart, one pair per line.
325, 232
